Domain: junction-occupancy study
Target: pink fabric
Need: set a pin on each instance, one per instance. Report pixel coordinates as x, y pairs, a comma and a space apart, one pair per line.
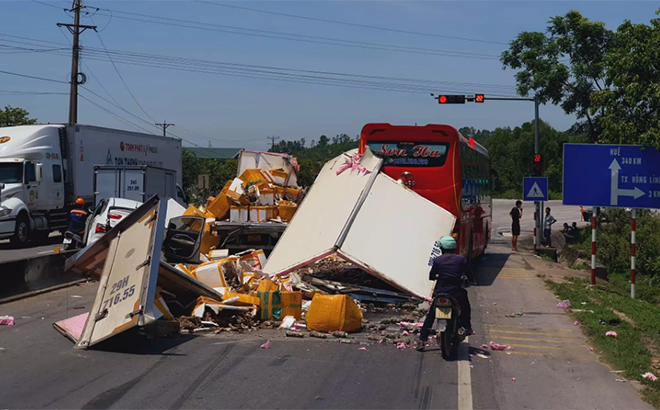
266, 345
495, 346
7, 320
611, 333
354, 165
74, 325
650, 376
363, 348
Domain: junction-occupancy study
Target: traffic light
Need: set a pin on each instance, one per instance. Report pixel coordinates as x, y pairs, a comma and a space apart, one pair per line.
451, 99
537, 165
479, 98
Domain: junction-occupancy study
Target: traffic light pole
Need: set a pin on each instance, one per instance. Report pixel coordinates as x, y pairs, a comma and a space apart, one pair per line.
538, 205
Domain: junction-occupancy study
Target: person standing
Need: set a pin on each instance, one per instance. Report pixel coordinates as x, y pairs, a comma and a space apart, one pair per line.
547, 227
516, 213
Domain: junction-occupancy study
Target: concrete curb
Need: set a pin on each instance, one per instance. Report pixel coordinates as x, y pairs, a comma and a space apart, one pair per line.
31, 276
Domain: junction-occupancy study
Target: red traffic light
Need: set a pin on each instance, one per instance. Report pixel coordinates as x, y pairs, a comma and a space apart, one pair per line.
451, 99
537, 158
479, 98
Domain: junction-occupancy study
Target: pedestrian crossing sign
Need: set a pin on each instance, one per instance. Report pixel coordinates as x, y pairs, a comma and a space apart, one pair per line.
535, 189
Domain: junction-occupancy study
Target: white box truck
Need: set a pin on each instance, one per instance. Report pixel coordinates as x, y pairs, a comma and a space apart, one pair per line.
138, 183
44, 168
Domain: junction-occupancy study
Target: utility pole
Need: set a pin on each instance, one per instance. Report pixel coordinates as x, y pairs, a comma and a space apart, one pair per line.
164, 126
272, 141
76, 78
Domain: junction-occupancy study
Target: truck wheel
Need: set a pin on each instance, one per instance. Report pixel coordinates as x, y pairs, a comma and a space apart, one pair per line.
21, 232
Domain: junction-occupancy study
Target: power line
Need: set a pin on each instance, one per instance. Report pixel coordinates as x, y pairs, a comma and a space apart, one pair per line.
135, 126
164, 125
12, 92
121, 77
291, 36
344, 23
34, 77
345, 80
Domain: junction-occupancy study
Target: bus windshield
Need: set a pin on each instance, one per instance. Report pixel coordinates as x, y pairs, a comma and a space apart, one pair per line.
410, 154
11, 173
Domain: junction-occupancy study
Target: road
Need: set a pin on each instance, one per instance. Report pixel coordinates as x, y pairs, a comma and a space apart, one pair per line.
502, 220
552, 365
10, 253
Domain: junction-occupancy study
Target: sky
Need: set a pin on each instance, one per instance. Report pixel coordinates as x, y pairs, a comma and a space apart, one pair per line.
444, 46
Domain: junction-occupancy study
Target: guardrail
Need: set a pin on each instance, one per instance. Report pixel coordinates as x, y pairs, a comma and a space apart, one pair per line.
30, 276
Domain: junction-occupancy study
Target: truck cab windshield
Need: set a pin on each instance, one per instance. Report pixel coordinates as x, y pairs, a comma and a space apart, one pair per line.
11, 173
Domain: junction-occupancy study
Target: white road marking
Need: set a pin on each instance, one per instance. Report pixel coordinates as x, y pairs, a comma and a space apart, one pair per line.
464, 377
42, 252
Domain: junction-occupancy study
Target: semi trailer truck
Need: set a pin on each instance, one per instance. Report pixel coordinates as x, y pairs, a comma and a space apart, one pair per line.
44, 168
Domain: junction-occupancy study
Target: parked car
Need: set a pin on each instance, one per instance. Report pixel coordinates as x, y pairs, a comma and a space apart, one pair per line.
106, 215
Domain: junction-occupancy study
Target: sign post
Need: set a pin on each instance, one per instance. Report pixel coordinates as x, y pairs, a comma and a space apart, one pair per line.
536, 189
614, 176
632, 254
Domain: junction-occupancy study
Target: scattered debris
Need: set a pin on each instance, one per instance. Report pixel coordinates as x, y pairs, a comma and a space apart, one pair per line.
76, 296
591, 349
266, 345
611, 322
513, 379
363, 348
495, 346
483, 356
581, 311
611, 333
7, 320
576, 323
650, 376
318, 335
620, 380
517, 314
294, 334
564, 304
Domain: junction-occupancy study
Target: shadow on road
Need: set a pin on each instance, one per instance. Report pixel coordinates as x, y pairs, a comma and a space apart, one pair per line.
488, 267
132, 342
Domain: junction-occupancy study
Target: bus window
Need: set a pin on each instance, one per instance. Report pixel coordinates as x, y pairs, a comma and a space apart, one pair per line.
410, 154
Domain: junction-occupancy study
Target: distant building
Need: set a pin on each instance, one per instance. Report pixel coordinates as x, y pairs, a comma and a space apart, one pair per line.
214, 153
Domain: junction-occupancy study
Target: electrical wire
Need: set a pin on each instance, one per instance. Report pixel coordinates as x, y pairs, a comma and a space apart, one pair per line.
120, 76
345, 80
344, 23
135, 126
12, 92
34, 77
146, 18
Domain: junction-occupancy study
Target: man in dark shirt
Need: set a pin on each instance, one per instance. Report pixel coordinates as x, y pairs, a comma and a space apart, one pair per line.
516, 213
77, 218
448, 269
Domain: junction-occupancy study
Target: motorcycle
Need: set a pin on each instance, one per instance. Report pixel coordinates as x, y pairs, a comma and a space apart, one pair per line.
71, 241
449, 333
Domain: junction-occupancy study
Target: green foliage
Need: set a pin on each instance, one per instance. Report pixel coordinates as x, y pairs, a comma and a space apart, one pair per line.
311, 159
628, 352
630, 103
15, 116
563, 66
511, 152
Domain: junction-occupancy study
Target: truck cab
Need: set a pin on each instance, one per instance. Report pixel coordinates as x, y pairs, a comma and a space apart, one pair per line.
32, 180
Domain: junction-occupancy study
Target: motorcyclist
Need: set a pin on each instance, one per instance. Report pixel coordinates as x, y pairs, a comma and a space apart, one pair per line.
448, 269
77, 216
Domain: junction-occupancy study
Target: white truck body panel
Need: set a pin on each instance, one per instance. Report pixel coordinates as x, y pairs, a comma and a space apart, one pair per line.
136, 183
90, 146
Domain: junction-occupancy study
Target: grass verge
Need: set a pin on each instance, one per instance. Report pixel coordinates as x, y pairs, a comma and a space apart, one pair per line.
633, 349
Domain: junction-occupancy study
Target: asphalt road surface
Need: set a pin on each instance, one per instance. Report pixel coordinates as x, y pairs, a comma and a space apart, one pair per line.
550, 366
10, 253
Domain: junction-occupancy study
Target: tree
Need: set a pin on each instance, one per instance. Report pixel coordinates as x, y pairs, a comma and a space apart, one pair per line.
11, 116
631, 101
190, 171
563, 66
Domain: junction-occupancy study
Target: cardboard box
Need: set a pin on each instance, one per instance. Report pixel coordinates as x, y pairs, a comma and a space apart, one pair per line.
235, 193
262, 213
278, 304
256, 259
254, 176
286, 210
219, 206
280, 176
239, 213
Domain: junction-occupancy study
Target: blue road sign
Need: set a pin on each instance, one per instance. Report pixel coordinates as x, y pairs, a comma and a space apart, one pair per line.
616, 176
535, 189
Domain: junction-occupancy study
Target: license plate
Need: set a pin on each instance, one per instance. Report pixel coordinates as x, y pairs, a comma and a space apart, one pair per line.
254, 238
443, 313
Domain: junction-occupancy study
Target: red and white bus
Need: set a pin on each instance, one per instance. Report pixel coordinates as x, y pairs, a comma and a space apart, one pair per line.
437, 162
